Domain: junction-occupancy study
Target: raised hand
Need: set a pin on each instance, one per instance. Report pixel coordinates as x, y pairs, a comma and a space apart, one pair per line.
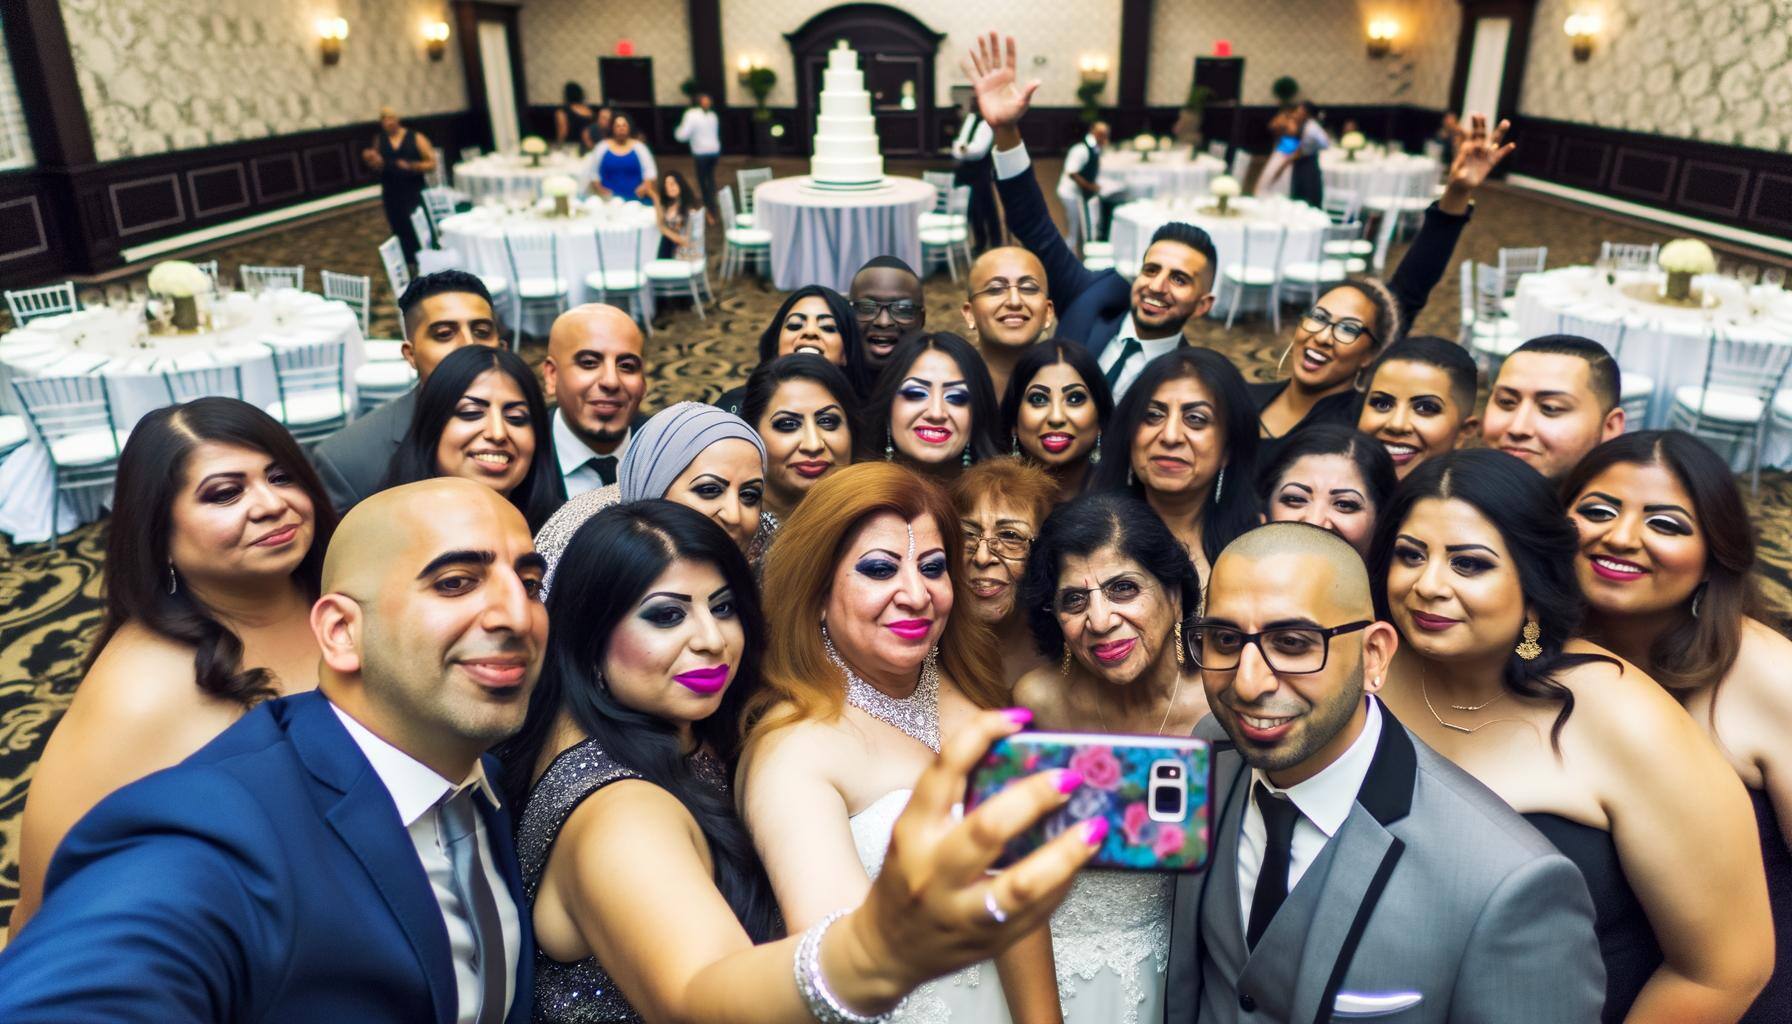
1478, 152
1001, 99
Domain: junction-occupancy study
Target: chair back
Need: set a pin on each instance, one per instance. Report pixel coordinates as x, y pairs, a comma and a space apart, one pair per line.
1775, 276
1490, 288
210, 267
1344, 231
422, 227
470, 153
1263, 244
256, 279
28, 304
1608, 329
749, 179
1515, 263
184, 385
353, 289
1342, 205
958, 201
1745, 365
1629, 255
694, 227
398, 276
59, 407
308, 367
533, 254
1217, 150
725, 206
439, 202
942, 182
1465, 299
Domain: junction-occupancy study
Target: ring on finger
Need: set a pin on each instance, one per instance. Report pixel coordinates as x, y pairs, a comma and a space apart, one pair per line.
995, 910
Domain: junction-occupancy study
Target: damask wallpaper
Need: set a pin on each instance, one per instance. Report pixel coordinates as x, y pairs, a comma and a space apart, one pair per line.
160, 75
1715, 70
562, 40
1321, 44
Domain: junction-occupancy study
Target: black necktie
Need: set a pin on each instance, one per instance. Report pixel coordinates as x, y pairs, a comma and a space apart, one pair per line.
605, 466
1127, 351
1279, 816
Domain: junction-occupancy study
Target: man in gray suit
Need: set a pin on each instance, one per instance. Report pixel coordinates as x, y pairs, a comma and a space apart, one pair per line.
1356, 873
442, 312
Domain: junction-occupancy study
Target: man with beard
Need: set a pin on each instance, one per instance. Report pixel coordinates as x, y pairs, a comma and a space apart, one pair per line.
1355, 872
888, 304
1007, 308
597, 374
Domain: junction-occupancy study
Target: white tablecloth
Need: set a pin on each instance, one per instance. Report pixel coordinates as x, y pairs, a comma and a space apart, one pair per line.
504, 174
111, 343
1398, 174
1666, 343
1135, 222
824, 237
1166, 174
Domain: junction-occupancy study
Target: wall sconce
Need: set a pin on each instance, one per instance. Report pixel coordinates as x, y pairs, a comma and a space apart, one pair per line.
435, 39
745, 67
1381, 37
1581, 28
1093, 70
330, 34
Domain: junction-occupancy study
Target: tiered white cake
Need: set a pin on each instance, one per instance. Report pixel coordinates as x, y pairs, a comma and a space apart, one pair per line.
846, 156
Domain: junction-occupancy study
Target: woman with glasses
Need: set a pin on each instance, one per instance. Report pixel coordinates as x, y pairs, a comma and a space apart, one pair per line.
933, 408
1054, 410
1108, 597
1001, 504
1474, 564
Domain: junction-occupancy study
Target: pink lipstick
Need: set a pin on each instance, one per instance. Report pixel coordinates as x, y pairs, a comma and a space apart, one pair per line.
704, 681
1115, 650
910, 629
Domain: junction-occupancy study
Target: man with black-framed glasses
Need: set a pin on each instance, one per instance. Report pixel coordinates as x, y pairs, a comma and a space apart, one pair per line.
1355, 872
888, 303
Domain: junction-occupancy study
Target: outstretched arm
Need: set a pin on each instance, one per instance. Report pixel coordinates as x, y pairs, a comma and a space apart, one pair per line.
1478, 152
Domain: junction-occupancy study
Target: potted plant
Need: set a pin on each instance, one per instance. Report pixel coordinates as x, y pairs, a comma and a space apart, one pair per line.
1285, 89
1352, 143
182, 282
1194, 113
1224, 189
1682, 258
560, 188
1089, 95
533, 147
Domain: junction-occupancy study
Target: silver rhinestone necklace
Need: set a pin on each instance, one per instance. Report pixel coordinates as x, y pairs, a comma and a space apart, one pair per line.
916, 716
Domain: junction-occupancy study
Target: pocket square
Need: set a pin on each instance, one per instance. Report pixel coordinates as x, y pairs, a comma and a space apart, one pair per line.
1364, 1005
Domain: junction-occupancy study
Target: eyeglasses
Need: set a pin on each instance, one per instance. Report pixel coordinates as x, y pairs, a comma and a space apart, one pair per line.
999, 292
1009, 544
1317, 320
1288, 650
1075, 600
902, 310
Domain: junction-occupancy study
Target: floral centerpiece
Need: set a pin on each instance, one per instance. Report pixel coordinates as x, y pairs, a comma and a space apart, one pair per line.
1145, 145
534, 147
182, 282
1682, 258
1224, 189
560, 188
1352, 143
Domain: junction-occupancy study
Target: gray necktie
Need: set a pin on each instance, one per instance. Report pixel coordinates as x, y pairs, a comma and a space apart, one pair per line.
460, 820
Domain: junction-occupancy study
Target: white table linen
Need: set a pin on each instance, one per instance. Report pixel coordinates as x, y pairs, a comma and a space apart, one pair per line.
824, 237
1174, 173
1134, 224
504, 174
1396, 174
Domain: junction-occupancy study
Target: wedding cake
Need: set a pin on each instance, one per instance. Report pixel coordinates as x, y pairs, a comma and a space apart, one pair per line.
846, 156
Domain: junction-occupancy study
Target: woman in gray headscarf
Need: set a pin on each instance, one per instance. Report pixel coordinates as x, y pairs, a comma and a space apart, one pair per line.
690, 453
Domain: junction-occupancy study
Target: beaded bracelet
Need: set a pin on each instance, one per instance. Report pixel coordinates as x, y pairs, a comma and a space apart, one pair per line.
822, 1002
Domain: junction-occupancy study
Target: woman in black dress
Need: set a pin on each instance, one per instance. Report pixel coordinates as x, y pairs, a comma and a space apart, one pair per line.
573, 117
402, 156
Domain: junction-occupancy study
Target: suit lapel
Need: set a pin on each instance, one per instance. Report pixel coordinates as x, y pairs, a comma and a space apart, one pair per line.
498, 830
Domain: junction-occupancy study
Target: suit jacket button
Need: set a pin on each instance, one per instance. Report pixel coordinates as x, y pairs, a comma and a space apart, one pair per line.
1246, 1003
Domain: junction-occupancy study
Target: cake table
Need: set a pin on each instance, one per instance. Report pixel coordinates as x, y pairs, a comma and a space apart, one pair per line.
823, 237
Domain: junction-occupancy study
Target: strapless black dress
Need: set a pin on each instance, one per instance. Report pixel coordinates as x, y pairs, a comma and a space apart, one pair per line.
1774, 1004
1626, 942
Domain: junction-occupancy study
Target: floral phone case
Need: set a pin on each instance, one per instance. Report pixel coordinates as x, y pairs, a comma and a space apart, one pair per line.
1153, 791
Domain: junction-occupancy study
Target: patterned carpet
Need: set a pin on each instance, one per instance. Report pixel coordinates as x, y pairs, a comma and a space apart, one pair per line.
50, 595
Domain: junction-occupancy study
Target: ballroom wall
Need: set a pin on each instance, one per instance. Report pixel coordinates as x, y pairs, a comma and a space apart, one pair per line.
163, 75
562, 40
1714, 70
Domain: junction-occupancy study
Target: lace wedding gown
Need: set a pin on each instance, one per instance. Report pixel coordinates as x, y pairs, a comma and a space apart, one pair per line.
1111, 945
973, 995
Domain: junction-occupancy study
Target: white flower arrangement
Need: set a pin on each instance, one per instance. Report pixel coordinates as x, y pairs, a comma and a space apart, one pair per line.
554, 186
1352, 141
534, 145
1145, 143
1224, 187
178, 279
1687, 256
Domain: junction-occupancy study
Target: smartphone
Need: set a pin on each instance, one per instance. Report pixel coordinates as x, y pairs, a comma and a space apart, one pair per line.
1153, 791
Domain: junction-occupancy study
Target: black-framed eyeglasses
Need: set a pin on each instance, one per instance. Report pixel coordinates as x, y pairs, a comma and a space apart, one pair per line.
999, 292
1009, 544
903, 311
1317, 320
1287, 650
1075, 600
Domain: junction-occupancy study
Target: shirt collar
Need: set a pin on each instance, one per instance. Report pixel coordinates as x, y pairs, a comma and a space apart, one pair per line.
1150, 349
1326, 798
415, 787
571, 449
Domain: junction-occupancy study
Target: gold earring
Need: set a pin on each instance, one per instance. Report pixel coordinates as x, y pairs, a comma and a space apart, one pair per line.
1179, 654
1528, 648
1064, 666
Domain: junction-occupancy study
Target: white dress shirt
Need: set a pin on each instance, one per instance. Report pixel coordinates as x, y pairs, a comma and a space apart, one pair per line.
1149, 350
575, 455
419, 794
1074, 162
975, 137
1324, 802
702, 129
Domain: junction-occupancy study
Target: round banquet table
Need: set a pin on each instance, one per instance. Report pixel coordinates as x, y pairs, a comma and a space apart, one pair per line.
114, 344
1135, 222
1392, 174
825, 237
504, 174
1667, 343
1173, 173
628, 231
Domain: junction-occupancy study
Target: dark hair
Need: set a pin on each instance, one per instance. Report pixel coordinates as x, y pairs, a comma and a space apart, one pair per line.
1042, 354
151, 470
858, 372
887, 262
608, 564
1388, 326
1236, 510
984, 410
1372, 461
1523, 507
1184, 233
617, 115
687, 201
572, 92
1602, 369
1086, 525
540, 491
765, 379
1695, 651
441, 282
1445, 355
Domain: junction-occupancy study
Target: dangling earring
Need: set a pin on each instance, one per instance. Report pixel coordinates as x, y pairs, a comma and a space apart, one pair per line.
1528, 648
889, 445
1013, 449
1095, 456
1219, 485
1284, 360
1064, 666
1697, 596
1179, 654
174, 584
965, 460
1129, 476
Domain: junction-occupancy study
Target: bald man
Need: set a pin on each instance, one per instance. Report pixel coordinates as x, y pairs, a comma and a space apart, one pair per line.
1355, 872
335, 855
597, 374
1007, 308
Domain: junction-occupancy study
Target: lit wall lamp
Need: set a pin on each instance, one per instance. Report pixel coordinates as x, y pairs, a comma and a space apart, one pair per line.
745, 67
1581, 28
330, 34
1381, 36
1093, 70
435, 39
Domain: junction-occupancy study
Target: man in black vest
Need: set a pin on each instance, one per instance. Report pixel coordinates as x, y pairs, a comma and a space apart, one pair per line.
975, 168
1080, 181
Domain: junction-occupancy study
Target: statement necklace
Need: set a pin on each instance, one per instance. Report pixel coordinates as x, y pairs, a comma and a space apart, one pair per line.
916, 716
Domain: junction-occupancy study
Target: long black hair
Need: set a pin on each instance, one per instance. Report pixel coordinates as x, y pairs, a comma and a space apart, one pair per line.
608, 564
151, 469
1372, 461
764, 381
984, 410
686, 201
1082, 527
1523, 507
1235, 511
852, 342
541, 491
1051, 352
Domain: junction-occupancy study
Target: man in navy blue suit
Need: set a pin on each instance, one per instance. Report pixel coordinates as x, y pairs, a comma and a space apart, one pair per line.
338, 855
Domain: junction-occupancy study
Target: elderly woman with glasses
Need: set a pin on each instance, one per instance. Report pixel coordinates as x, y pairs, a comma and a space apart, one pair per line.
1001, 505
